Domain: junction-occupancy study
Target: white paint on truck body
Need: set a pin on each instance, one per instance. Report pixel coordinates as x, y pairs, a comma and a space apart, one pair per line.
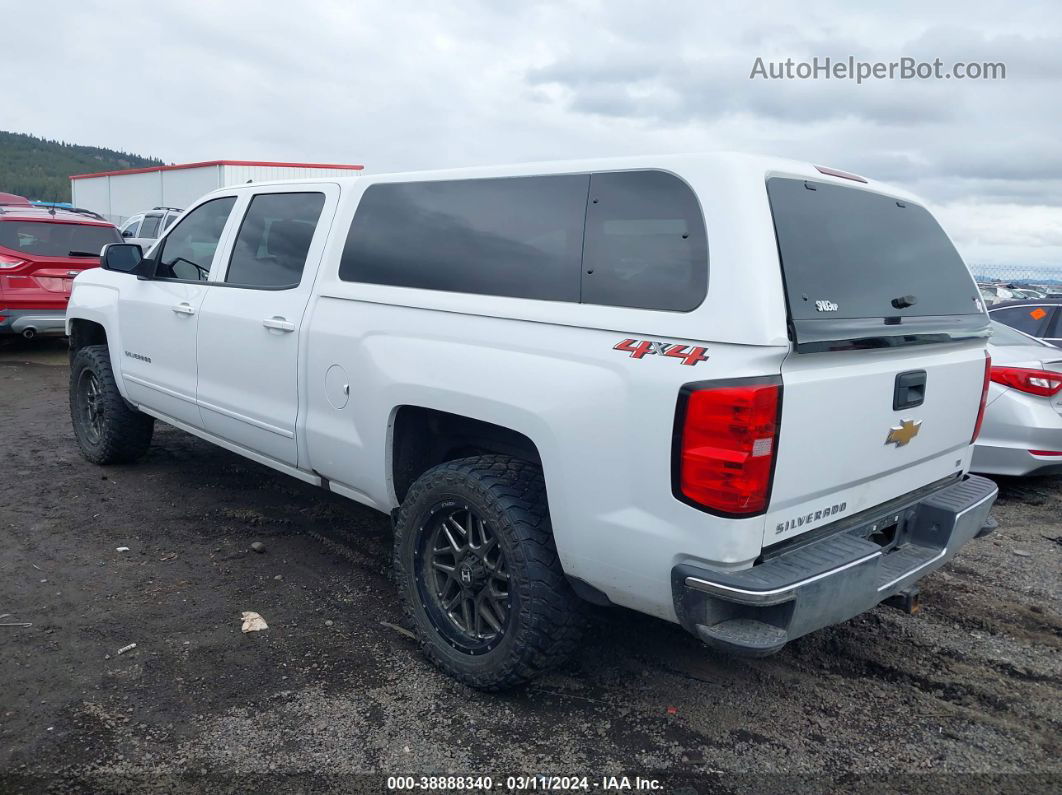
602, 421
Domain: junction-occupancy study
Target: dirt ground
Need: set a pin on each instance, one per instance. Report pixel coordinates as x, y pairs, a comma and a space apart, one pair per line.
335, 695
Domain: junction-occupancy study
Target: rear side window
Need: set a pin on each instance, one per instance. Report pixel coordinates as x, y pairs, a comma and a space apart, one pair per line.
634, 239
1029, 319
518, 236
273, 240
55, 238
850, 253
1054, 331
150, 228
646, 245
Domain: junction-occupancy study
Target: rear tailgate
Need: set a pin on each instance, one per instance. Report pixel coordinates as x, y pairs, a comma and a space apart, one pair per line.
882, 390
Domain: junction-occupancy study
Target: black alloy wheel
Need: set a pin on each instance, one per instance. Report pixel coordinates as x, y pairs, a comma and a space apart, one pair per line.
463, 578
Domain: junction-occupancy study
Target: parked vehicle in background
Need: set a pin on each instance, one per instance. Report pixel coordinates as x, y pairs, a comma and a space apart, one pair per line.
1040, 319
1022, 430
1026, 292
144, 229
41, 251
993, 293
13, 200
532, 371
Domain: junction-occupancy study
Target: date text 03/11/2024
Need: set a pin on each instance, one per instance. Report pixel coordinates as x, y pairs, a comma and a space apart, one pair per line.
524, 783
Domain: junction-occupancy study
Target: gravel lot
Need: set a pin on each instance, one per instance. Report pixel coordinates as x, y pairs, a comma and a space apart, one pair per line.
972, 685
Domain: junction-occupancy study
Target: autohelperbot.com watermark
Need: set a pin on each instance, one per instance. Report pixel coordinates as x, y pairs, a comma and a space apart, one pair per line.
851, 68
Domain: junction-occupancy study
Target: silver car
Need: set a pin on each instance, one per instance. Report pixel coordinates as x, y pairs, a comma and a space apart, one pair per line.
1022, 430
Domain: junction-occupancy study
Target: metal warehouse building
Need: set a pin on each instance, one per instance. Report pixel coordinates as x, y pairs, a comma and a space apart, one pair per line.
119, 194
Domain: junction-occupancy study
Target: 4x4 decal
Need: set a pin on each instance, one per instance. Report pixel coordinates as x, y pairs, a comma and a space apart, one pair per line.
639, 349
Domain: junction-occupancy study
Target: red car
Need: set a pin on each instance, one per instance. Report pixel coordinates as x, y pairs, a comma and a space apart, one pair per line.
41, 251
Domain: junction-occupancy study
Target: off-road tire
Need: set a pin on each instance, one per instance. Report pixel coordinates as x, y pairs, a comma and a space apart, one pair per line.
545, 619
124, 434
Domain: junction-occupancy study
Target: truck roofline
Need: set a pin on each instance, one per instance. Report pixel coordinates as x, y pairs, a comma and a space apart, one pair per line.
765, 165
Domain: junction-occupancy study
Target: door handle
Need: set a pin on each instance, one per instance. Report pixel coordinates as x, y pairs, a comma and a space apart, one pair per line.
183, 308
279, 323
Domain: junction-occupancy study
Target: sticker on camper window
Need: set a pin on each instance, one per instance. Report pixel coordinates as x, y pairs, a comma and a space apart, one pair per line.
639, 349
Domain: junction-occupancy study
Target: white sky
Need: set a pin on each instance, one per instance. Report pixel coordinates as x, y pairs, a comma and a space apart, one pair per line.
398, 86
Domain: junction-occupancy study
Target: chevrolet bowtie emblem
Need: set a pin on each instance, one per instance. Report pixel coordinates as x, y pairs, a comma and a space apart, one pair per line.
904, 432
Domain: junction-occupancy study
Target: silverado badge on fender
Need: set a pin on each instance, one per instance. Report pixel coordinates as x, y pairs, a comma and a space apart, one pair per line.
904, 432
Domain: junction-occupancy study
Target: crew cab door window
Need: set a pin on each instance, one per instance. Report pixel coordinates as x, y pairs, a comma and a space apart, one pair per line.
188, 250
270, 249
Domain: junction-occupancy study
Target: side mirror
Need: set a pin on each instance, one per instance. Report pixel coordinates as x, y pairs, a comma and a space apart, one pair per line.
127, 233
122, 258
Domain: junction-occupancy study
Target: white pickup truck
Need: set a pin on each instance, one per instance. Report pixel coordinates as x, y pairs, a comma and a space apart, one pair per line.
733, 392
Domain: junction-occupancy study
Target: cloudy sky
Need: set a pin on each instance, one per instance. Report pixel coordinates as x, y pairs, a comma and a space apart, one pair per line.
398, 86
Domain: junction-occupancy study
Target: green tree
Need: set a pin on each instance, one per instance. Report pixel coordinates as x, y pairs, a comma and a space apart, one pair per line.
40, 169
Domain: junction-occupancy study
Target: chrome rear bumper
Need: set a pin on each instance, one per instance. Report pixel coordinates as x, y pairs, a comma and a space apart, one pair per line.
758, 610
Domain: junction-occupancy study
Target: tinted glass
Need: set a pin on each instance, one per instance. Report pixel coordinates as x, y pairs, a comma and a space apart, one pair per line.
150, 227
55, 239
1030, 319
518, 236
1005, 336
1054, 331
170, 218
857, 251
131, 227
271, 246
645, 242
188, 250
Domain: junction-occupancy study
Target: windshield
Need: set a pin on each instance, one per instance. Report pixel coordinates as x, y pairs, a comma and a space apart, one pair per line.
850, 253
1004, 336
56, 239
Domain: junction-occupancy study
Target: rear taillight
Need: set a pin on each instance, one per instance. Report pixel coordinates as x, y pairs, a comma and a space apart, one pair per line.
7, 261
1036, 382
984, 398
1047, 452
726, 440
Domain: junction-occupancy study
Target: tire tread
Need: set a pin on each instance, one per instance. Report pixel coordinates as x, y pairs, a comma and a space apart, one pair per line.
553, 612
127, 432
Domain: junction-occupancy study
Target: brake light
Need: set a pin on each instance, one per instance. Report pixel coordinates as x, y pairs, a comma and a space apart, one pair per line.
836, 172
984, 398
1046, 452
727, 439
7, 261
1036, 382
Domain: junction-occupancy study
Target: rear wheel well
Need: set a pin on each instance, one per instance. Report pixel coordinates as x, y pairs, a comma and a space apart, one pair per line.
423, 438
84, 333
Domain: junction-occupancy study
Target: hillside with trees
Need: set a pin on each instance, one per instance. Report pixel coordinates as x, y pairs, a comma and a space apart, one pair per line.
40, 169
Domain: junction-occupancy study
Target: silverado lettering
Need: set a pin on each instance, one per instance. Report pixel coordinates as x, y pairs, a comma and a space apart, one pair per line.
810, 518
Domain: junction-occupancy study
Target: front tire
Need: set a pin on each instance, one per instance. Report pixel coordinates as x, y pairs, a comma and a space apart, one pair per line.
479, 575
107, 430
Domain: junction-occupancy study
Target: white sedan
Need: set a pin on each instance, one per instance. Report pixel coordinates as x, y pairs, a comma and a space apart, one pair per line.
1022, 430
